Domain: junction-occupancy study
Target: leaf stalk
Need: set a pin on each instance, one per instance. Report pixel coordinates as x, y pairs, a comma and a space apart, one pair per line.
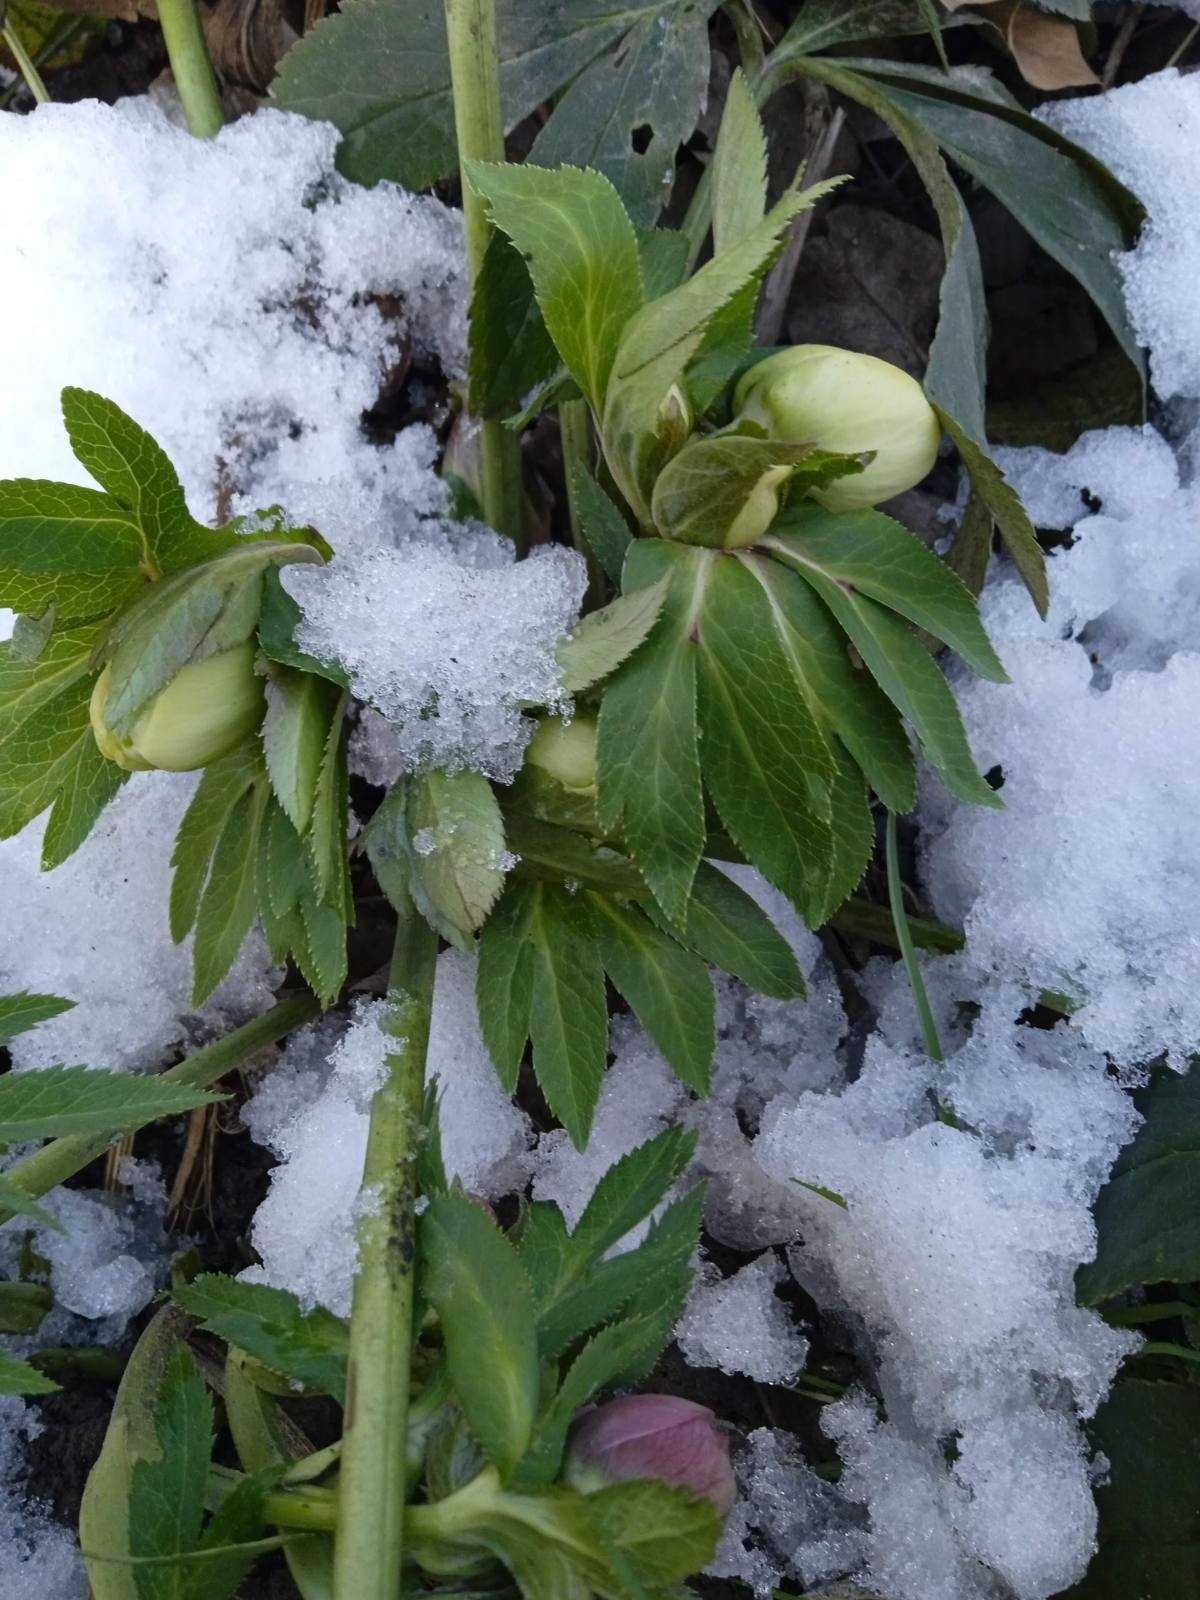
191, 67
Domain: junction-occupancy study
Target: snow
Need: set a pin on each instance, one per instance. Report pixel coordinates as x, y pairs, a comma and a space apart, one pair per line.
103, 939
37, 1557
449, 645
312, 1111
251, 300
1148, 134
739, 1324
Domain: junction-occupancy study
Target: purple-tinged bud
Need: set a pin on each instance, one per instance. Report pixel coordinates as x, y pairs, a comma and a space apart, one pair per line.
652, 1436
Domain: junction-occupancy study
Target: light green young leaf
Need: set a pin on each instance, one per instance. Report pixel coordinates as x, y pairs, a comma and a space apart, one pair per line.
765, 760
301, 709
739, 168
667, 987
60, 1100
604, 527
18, 1377
902, 667
456, 850
20, 1012
14, 1202
648, 764
582, 254
842, 694
229, 902
220, 788
628, 1192
474, 1280
166, 1496
729, 930
308, 1347
604, 638
665, 1533
71, 548
869, 553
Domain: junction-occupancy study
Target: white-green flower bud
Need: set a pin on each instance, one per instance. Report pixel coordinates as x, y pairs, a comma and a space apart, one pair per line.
207, 708
566, 751
850, 403
676, 420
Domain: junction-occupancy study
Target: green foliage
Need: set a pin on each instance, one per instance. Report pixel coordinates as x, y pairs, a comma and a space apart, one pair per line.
18, 1377
63, 1100
739, 168
728, 928
306, 1347
451, 835
603, 639
1146, 1213
20, 1012
166, 1495
473, 1278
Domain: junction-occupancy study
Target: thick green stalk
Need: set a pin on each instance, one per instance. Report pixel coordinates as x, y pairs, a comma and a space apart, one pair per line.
371, 1485
479, 124
62, 1158
191, 66
28, 70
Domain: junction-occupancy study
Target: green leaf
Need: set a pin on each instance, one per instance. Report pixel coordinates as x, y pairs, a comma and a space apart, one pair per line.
841, 693
568, 1020
504, 980
822, 23
739, 168
455, 840
71, 548
238, 1521
329, 824
648, 764
49, 1101
14, 1202
278, 620
629, 1191
869, 553
474, 1280
301, 709
665, 1533
1149, 1544
166, 1496
604, 527
380, 73
17, 1377
307, 1347
509, 350
20, 1012
853, 833
667, 987
728, 928
229, 902
606, 1357
603, 639
221, 786
627, 113
319, 945
582, 254
1146, 1213
766, 762
904, 671
127, 463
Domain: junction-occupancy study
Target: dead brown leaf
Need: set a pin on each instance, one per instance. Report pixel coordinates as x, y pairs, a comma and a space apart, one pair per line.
1046, 49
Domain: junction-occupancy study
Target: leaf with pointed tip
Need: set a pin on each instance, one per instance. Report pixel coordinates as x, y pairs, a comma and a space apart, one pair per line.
167, 1494
456, 851
220, 788
739, 167
905, 672
18, 1377
68, 547
20, 1012
668, 987
473, 1278
868, 552
604, 527
648, 766
50, 1101
509, 350
278, 620
14, 1202
765, 760
853, 832
329, 822
301, 708
603, 639
319, 945
730, 930
308, 1347
229, 902
582, 254
504, 980
842, 694
629, 1191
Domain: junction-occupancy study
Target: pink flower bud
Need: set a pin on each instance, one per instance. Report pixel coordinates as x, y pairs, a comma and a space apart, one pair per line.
652, 1436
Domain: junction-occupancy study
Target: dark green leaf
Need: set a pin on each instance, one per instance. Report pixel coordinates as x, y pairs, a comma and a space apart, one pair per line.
308, 1347
728, 928
237, 1521
320, 946
229, 901
277, 623
504, 980
220, 788
604, 528
1146, 1213
49, 1101
568, 1019
20, 1012
472, 1277
667, 987
510, 351
822, 23
582, 255
166, 1498
853, 832
455, 839
301, 709
629, 1191
14, 1202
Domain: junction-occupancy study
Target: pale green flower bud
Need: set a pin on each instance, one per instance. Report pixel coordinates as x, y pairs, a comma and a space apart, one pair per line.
207, 708
675, 421
566, 751
850, 403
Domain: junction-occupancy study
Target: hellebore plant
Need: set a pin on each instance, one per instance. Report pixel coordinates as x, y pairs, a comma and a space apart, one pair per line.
744, 692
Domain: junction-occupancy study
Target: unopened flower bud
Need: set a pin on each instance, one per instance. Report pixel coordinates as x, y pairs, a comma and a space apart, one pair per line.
208, 707
652, 1436
850, 403
567, 752
675, 421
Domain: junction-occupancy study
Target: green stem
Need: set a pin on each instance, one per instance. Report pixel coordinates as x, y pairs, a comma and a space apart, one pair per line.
308, 1510
33, 78
191, 66
371, 1484
479, 123
908, 954
62, 1158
